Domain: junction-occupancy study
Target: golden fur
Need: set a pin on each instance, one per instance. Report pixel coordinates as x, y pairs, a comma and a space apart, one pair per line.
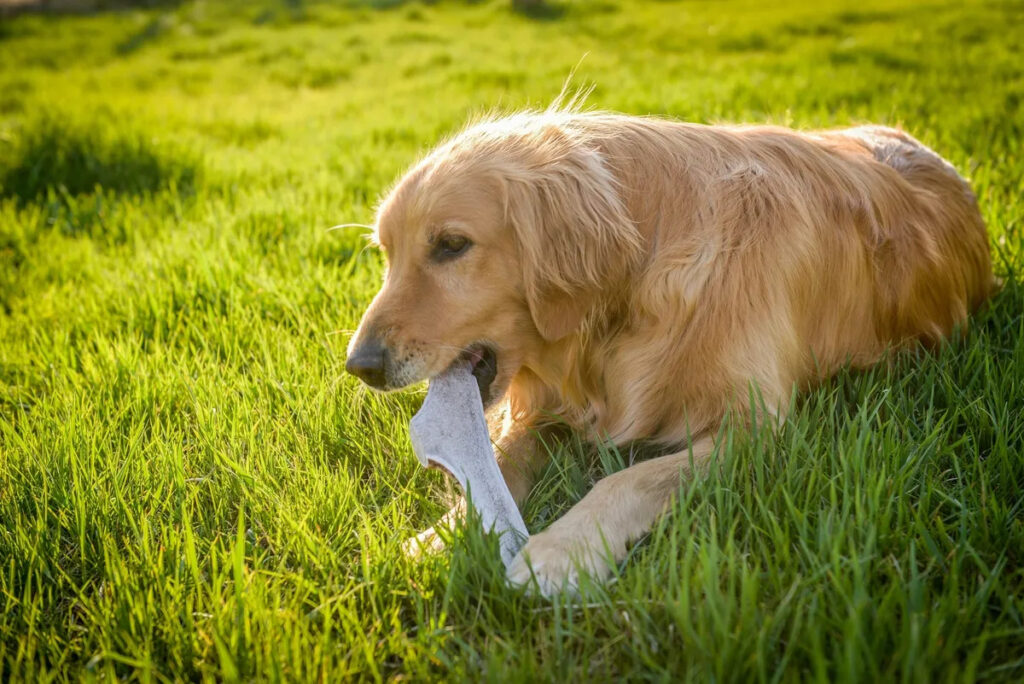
637, 276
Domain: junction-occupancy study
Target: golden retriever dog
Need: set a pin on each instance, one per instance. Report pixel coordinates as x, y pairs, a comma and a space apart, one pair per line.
641, 279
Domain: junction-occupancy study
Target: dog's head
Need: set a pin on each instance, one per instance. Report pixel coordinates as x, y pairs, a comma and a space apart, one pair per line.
498, 243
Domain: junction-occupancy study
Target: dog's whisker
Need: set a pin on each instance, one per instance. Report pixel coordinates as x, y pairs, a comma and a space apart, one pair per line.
366, 247
349, 225
341, 332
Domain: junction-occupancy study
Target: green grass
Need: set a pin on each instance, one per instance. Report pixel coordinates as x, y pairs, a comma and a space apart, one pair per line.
190, 486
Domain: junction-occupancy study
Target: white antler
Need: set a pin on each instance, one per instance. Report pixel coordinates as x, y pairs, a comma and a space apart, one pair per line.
450, 431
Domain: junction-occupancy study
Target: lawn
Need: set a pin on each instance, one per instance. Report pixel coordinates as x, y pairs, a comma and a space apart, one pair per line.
192, 488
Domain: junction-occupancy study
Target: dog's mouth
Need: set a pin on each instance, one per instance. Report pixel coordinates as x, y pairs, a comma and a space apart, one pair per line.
483, 362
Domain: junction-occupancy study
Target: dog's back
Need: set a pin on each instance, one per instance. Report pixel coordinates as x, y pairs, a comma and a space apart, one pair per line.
777, 256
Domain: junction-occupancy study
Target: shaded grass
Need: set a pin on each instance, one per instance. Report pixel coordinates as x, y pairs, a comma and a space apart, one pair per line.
73, 159
190, 487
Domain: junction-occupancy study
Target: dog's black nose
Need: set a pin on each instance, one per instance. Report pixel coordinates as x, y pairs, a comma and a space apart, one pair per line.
367, 363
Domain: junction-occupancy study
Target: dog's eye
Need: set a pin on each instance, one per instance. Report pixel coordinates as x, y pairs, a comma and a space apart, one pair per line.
450, 246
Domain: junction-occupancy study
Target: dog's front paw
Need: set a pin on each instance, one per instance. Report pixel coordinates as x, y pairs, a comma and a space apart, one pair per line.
552, 561
433, 539
426, 542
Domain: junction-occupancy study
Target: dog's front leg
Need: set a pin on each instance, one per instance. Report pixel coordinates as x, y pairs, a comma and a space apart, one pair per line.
594, 533
520, 454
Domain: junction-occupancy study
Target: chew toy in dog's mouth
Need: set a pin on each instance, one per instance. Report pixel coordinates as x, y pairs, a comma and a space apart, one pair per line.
484, 366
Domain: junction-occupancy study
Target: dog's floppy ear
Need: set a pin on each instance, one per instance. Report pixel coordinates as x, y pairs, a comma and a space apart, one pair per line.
574, 237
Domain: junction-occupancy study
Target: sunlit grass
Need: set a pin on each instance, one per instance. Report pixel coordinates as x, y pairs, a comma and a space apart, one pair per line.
191, 487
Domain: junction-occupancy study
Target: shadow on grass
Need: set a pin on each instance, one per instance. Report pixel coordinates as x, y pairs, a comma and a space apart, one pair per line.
538, 9
153, 30
10, 9
78, 160
541, 10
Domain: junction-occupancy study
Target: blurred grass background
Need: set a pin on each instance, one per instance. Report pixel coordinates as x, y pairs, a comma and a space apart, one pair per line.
190, 487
